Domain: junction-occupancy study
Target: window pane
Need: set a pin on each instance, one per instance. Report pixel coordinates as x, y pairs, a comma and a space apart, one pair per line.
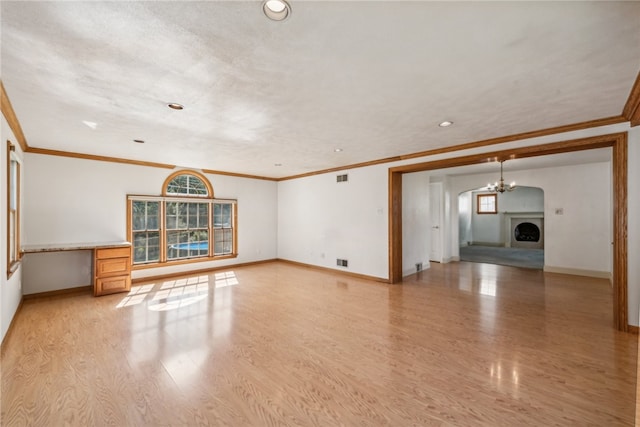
227, 242
172, 208
139, 212
487, 203
145, 247
187, 244
187, 184
193, 215
203, 215
193, 221
152, 222
217, 242
196, 186
171, 222
145, 215
12, 236
13, 243
13, 185
172, 215
222, 215
226, 215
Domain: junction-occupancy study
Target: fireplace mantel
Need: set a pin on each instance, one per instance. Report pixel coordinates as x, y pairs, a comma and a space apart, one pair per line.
509, 225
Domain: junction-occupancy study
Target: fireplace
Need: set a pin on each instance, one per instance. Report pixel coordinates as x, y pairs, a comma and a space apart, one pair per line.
527, 232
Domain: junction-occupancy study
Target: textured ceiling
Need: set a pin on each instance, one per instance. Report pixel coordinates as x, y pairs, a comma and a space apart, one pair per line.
372, 78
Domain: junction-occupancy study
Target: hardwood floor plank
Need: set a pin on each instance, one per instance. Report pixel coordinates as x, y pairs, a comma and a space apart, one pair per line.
281, 345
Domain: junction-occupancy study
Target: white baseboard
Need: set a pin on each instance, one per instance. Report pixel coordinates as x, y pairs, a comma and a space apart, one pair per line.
578, 272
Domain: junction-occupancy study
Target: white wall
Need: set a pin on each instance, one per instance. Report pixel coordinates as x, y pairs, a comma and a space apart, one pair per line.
465, 209
416, 226
316, 222
447, 222
580, 239
320, 220
10, 289
486, 229
76, 200
304, 233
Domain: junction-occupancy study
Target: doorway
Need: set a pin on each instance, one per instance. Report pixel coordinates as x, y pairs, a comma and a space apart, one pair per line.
618, 144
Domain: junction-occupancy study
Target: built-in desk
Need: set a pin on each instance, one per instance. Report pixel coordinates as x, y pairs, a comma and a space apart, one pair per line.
111, 263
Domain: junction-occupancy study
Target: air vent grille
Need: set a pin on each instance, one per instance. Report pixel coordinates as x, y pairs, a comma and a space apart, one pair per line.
342, 178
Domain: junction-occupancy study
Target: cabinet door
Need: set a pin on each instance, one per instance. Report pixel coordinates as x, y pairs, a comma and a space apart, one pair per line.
111, 285
113, 252
112, 266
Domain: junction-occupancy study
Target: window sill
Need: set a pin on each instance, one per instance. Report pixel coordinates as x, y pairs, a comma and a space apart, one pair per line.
182, 262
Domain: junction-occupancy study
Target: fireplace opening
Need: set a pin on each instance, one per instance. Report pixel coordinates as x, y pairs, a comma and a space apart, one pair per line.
527, 232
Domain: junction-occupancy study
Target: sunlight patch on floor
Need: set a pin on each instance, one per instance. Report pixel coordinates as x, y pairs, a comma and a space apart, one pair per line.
173, 294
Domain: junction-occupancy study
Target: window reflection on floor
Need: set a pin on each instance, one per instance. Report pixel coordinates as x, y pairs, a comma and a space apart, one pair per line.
225, 279
488, 287
173, 294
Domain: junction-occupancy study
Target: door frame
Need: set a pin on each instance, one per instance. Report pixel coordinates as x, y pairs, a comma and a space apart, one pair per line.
441, 216
618, 144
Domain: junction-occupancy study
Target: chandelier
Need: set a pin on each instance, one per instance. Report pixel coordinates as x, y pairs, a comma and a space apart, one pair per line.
499, 187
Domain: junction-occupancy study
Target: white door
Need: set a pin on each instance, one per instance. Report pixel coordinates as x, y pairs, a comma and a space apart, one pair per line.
435, 215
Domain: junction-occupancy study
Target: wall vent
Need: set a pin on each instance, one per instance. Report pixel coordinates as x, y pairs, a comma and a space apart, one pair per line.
342, 178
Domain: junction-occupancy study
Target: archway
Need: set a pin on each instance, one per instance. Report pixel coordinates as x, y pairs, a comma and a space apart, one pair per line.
510, 233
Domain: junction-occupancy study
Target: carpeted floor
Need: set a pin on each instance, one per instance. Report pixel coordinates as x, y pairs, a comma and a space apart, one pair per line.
515, 257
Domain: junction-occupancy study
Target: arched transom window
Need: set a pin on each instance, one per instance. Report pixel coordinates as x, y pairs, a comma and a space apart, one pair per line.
186, 223
189, 183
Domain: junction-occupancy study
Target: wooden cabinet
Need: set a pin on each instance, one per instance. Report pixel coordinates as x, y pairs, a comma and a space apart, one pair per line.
111, 270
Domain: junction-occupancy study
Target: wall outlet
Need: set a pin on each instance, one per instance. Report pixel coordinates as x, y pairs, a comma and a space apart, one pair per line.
342, 262
418, 266
559, 211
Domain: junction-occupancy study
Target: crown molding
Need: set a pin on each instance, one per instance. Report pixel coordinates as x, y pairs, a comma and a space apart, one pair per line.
10, 115
74, 155
631, 110
238, 175
476, 144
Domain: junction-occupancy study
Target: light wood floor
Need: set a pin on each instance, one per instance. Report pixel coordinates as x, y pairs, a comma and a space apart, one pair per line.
275, 344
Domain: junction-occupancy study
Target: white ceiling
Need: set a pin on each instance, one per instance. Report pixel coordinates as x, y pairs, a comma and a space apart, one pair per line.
372, 78
526, 163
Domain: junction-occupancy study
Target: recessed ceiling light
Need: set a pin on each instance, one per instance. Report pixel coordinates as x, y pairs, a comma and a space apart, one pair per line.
175, 106
445, 124
337, 150
139, 141
276, 10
